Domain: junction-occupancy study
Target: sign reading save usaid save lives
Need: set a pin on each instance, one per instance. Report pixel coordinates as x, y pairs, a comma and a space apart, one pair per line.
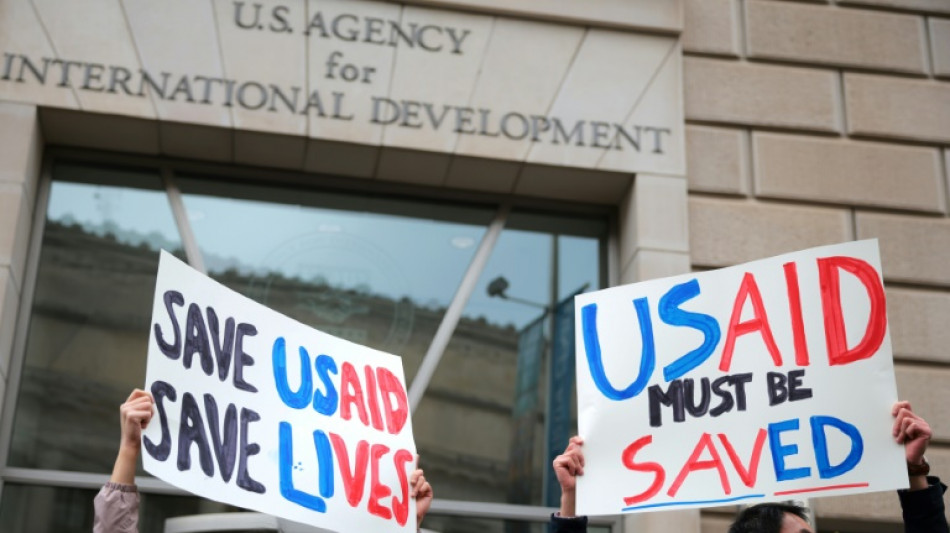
259, 411
770, 380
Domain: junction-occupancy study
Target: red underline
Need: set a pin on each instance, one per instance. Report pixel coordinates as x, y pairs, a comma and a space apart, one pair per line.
818, 489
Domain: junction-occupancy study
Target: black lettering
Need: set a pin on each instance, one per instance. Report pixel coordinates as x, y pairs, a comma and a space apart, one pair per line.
40, 75
225, 441
93, 73
278, 14
242, 359
420, 37
184, 87
577, 130
436, 120
727, 402
278, 94
119, 76
374, 28
457, 39
171, 350
338, 107
672, 397
191, 430
410, 110
261, 91
795, 392
148, 80
222, 348
350, 35
599, 132
196, 341
778, 391
739, 380
689, 391
244, 479
161, 390
315, 102
238, 7
623, 133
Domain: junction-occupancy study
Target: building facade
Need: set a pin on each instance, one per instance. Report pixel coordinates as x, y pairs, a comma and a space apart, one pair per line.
437, 178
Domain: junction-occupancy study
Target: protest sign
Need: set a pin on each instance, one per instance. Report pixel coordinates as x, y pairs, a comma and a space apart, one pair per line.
256, 410
766, 381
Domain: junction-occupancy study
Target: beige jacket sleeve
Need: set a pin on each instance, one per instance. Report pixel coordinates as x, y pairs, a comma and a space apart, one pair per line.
117, 509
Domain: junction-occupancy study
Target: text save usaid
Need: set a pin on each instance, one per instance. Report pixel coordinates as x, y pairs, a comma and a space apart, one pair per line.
765, 381
259, 411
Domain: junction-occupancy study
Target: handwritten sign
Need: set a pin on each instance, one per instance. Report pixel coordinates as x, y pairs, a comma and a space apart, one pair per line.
259, 411
765, 381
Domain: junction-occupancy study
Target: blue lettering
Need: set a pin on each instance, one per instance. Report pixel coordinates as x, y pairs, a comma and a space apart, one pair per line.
325, 404
825, 470
300, 398
286, 460
596, 363
779, 451
671, 314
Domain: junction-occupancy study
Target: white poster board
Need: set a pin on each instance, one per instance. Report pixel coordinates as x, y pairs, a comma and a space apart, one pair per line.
256, 410
771, 380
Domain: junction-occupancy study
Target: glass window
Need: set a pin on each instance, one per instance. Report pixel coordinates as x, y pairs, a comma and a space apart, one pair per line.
380, 271
91, 310
482, 428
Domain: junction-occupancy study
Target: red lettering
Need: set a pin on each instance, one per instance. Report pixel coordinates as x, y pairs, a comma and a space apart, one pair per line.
749, 290
835, 335
353, 480
377, 489
390, 387
351, 393
373, 401
795, 310
656, 468
693, 464
401, 507
749, 475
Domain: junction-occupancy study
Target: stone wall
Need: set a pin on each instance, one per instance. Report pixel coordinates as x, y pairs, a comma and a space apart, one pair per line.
811, 123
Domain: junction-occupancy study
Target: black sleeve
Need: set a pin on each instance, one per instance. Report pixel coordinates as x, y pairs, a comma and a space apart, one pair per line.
924, 509
568, 525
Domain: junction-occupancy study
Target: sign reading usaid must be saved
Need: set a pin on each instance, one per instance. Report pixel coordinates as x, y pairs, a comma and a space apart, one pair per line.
366, 72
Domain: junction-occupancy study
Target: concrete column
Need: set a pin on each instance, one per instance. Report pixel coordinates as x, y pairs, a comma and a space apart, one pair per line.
654, 243
21, 147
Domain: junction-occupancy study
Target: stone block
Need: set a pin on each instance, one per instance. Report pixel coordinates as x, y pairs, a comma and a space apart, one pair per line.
711, 27
21, 148
717, 160
100, 132
328, 57
410, 166
913, 249
653, 264
940, 46
95, 32
880, 106
926, 6
820, 170
843, 37
660, 206
646, 14
572, 184
14, 231
276, 58
918, 323
22, 35
341, 159
196, 142
760, 95
726, 232
925, 387
9, 306
512, 74
269, 150
175, 37
477, 174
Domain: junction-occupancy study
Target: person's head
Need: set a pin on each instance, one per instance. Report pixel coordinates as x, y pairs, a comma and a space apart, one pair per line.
772, 518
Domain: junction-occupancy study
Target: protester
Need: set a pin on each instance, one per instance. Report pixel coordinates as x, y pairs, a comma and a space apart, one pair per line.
117, 504
922, 503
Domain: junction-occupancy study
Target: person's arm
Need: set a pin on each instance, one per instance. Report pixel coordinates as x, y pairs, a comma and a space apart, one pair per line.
922, 504
567, 467
117, 504
422, 492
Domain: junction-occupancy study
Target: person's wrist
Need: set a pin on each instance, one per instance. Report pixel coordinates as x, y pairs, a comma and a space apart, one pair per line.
921, 468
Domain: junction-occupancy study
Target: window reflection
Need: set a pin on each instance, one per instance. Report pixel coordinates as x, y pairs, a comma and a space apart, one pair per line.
89, 322
378, 272
482, 426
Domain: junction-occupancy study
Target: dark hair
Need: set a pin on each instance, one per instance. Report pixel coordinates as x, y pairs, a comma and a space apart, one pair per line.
765, 518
